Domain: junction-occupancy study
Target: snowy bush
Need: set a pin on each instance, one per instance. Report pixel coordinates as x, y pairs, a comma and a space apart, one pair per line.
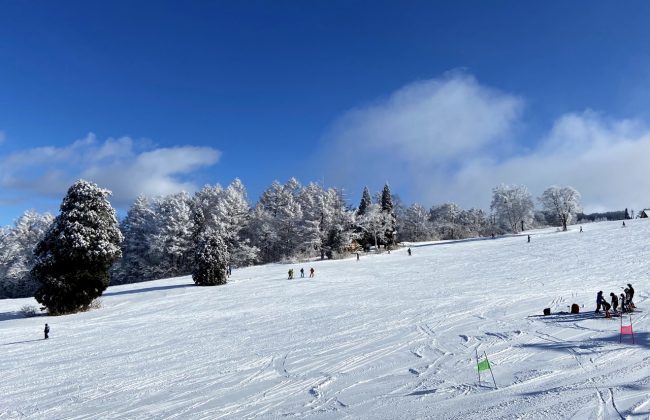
29, 311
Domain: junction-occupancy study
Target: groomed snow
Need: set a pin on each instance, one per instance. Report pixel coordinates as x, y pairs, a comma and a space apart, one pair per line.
389, 336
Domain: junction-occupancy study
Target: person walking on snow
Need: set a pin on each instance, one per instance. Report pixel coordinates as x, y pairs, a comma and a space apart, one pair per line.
580, 229
599, 301
47, 331
528, 238
311, 272
623, 223
302, 272
409, 251
614, 302
290, 273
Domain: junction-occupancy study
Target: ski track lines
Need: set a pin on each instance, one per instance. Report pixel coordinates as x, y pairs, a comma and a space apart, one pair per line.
389, 336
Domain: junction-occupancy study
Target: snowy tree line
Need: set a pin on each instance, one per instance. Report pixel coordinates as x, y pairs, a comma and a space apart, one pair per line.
217, 227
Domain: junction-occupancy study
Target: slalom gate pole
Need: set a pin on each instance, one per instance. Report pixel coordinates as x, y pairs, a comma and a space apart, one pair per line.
632, 328
490, 365
477, 367
620, 331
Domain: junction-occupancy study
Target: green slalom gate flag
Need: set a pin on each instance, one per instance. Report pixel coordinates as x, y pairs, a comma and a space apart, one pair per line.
483, 365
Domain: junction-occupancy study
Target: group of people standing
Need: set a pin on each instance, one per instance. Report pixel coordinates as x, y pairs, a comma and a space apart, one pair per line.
302, 272
624, 300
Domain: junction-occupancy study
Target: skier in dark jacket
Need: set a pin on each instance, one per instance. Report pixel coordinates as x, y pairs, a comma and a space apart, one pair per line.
630, 301
311, 272
614, 301
599, 301
624, 307
409, 251
606, 308
302, 272
47, 331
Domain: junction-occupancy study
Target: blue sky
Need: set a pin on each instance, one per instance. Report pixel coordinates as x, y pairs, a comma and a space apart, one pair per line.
444, 100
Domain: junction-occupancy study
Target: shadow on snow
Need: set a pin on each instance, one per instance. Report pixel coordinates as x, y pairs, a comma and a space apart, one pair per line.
21, 342
149, 289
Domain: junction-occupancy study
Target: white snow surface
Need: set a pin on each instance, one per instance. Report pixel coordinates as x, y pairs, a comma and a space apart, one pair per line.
386, 337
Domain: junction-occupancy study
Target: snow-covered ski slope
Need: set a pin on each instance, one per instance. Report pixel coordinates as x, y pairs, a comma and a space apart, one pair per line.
389, 336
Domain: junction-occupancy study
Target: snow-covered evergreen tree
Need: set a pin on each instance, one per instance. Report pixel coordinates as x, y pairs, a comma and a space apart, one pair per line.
328, 226
233, 214
513, 206
138, 262
173, 245
17, 256
211, 260
390, 234
364, 237
74, 258
365, 202
277, 230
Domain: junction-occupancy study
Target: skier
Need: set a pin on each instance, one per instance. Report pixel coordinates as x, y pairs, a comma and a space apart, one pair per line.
623, 223
599, 301
311, 272
302, 272
630, 301
47, 331
614, 302
290, 273
606, 307
624, 307
409, 251
357, 256
580, 229
528, 238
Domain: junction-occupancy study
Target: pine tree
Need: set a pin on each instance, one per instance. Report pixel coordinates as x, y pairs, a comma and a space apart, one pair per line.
74, 258
17, 257
627, 214
365, 202
174, 228
137, 263
389, 214
211, 260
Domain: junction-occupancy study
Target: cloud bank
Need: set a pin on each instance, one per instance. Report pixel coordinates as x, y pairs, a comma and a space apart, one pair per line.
120, 165
453, 139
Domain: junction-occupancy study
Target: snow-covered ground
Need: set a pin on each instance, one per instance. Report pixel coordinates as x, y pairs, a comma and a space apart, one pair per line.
389, 336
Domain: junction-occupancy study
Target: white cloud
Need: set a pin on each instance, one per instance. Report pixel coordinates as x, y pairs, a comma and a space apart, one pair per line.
421, 128
116, 164
452, 139
606, 160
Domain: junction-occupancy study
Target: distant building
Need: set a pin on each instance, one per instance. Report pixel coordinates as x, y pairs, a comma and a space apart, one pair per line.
644, 214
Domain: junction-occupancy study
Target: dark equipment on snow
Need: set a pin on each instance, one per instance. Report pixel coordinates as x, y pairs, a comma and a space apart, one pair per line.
547, 311
575, 309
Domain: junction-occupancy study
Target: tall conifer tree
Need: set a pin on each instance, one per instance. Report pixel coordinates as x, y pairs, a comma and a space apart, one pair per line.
74, 258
